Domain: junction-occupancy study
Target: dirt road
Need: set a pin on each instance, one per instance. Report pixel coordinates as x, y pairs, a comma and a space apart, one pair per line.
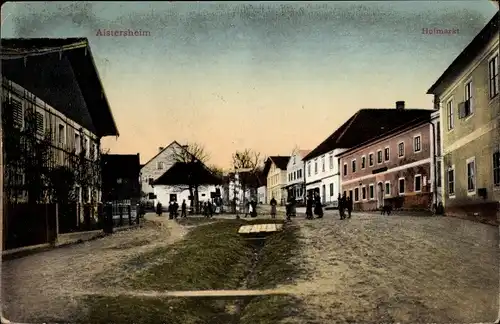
35, 288
399, 269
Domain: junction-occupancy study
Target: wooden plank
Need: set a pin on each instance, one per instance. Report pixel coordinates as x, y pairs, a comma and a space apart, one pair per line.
254, 229
245, 229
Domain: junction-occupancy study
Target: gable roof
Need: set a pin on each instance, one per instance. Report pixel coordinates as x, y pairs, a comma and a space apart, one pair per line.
303, 153
394, 132
61, 72
467, 55
160, 152
280, 162
365, 125
181, 171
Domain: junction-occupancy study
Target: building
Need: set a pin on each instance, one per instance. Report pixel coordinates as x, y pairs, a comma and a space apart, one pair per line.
262, 194
121, 178
167, 158
467, 96
295, 169
393, 167
322, 164
53, 103
275, 171
437, 159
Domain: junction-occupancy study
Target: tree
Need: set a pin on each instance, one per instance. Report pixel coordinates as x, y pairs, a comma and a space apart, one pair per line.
191, 154
249, 160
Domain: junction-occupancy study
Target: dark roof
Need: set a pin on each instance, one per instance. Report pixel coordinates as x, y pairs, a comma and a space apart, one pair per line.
61, 72
180, 173
280, 162
394, 132
468, 55
367, 124
120, 165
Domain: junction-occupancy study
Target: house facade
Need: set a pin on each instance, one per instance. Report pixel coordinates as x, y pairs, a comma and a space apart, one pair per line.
394, 169
296, 177
322, 175
262, 195
436, 159
467, 96
275, 171
158, 166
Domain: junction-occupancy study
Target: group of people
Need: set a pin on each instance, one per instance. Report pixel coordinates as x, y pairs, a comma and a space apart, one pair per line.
251, 209
314, 202
173, 209
345, 204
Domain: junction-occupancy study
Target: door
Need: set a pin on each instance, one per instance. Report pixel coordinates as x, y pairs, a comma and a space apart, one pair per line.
323, 194
380, 195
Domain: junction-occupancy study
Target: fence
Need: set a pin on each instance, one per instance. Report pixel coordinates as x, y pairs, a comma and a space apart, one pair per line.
29, 224
76, 217
123, 212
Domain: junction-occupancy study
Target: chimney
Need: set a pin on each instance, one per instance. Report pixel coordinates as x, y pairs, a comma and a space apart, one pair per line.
160, 149
400, 105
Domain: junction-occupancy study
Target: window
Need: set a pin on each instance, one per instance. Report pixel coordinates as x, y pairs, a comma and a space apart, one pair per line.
401, 186
467, 108
350, 194
345, 169
363, 192
401, 149
294, 160
61, 134
417, 144
451, 181
309, 168
471, 175
356, 194
315, 166
496, 169
17, 113
417, 183
159, 165
493, 73
370, 159
387, 154
438, 139
299, 174
331, 189
330, 161
295, 175
323, 164
353, 165
363, 162
379, 156
77, 143
40, 125
449, 115
438, 175
387, 188
372, 193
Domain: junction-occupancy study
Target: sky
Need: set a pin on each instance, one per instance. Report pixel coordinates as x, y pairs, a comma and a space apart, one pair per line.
265, 76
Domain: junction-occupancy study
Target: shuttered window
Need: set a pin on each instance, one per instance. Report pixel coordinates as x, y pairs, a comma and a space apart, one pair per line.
17, 113
40, 126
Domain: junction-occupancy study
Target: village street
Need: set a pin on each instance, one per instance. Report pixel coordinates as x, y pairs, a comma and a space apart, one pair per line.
398, 268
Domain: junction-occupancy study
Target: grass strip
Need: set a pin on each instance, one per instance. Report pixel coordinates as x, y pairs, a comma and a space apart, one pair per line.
276, 266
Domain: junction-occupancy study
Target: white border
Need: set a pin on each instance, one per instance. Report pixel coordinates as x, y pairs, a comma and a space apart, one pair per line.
404, 149
469, 160
451, 168
399, 186
419, 136
418, 175
385, 187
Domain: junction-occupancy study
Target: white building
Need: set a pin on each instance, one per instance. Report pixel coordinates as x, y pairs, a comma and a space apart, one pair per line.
295, 170
262, 195
156, 167
322, 174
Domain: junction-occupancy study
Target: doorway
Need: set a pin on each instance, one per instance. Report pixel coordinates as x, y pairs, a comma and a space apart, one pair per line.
380, 195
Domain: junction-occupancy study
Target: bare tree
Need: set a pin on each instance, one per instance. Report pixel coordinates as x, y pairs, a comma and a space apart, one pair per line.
192, 153
249, 160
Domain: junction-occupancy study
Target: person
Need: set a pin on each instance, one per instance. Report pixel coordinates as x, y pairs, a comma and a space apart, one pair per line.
171, 210
142, 209
210, 207
343, 201
309, 207
159, 209
183, 208
205, 209
250, 208
341, 206
273, 207
247, 209
254, 209
318, 208
176, 209
291, 208
349, 206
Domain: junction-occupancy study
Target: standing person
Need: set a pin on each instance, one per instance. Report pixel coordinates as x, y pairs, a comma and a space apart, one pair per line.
171, 210
273, 207
176, 209
210, 207
250, 208
183, 208
318, 208
247, 209
309, 207
254, 209
349, 206
341, 206
344, 205
159, 209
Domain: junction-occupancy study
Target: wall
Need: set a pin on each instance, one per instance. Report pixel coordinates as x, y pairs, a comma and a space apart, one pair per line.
262, 194
476, 136
163, 193
68, 137
407, 166
295, 174
276, 181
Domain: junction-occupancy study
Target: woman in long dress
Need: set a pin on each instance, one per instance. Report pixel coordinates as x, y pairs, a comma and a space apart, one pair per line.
273, 208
